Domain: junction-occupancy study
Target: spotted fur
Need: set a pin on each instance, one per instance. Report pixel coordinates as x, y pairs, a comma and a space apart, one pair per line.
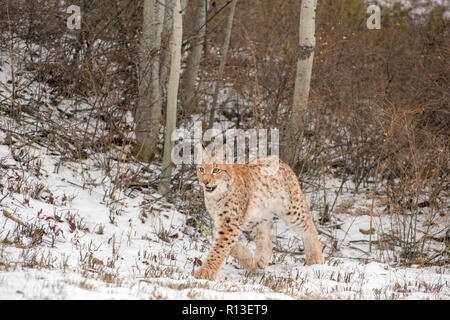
249, 196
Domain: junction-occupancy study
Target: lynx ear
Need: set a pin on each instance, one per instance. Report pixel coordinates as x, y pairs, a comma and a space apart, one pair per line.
201, 153
225, 154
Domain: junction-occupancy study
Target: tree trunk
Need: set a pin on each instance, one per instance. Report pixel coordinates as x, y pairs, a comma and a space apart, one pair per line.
148, 112
165, 53
195, 54
226, 44
302, 82
172, 93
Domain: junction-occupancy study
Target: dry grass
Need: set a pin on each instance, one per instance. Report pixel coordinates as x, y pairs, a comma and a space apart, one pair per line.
345, 207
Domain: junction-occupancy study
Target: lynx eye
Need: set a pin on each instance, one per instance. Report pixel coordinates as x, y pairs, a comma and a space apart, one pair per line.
201, 169
216, 170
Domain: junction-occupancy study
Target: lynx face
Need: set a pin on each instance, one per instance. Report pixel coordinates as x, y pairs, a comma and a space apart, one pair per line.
214, 178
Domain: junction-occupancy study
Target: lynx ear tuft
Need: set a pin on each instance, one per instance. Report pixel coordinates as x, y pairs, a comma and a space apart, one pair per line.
201, 153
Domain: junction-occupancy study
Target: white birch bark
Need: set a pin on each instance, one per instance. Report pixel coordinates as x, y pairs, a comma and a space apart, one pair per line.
307, 45
148, 113
167, 30
195, 55
165, 54
184, 4
225, 47
172, 94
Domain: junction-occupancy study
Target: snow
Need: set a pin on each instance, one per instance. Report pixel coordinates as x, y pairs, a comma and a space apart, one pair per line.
152, 258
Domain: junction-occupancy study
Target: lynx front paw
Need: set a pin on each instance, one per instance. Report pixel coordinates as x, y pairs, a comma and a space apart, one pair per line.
205, 273
253, 267
256, 266
249, 265
261, 262
315, 258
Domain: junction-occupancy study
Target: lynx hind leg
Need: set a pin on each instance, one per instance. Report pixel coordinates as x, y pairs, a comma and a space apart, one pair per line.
313, 249
299, 218
263, 242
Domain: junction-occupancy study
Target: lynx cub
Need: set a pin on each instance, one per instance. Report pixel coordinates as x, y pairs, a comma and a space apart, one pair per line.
249, 196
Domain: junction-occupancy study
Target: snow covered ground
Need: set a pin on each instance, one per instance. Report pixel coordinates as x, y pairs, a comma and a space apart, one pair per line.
62, 241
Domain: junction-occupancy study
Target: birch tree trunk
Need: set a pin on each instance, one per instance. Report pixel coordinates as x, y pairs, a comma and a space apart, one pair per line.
225, 47
148, 112
165, 53
167, 31
172, 93
307, 45
195, 55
